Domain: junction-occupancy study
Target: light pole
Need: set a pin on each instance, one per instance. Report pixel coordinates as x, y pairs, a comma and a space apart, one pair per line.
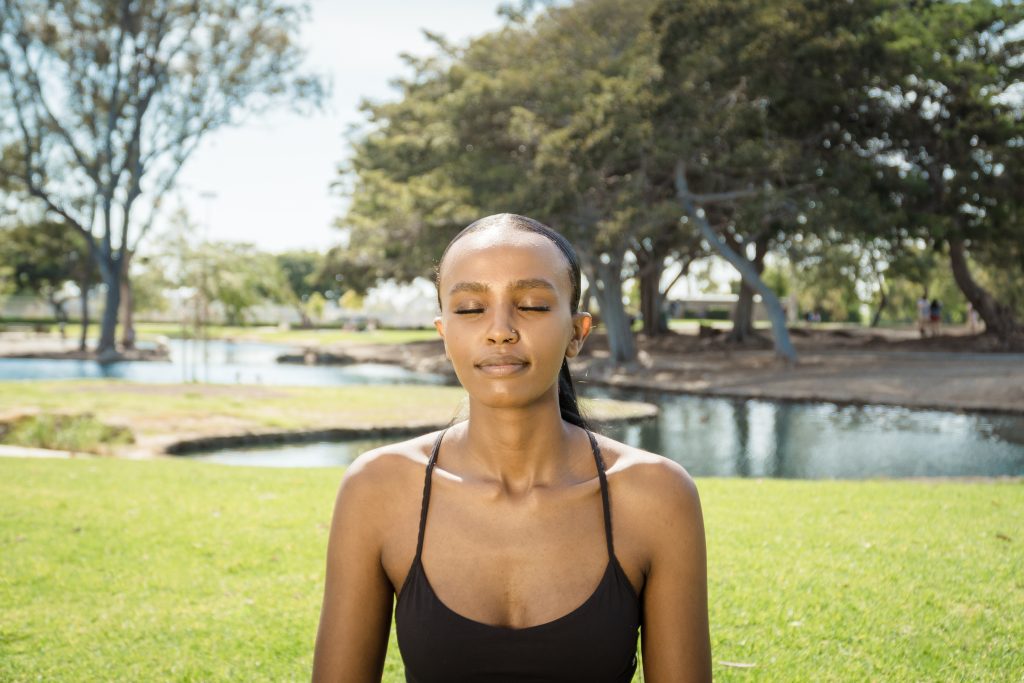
208, 196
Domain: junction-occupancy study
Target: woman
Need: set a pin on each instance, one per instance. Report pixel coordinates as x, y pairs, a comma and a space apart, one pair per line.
494, 532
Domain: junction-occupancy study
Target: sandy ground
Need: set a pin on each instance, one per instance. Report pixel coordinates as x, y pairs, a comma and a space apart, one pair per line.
954, 371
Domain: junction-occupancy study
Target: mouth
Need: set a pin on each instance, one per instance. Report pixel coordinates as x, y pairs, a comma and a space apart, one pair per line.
502, 368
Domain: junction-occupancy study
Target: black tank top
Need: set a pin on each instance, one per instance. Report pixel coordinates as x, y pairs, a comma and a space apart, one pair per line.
596, 642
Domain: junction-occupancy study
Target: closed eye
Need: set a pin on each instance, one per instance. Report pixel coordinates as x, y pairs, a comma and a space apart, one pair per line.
521, 308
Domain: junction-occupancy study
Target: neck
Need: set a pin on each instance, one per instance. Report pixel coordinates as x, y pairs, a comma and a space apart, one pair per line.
518, 448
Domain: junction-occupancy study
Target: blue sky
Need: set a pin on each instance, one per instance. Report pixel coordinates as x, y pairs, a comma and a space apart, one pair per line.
270, 176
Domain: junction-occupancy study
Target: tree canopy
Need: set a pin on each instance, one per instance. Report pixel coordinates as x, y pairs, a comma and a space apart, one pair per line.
104, 102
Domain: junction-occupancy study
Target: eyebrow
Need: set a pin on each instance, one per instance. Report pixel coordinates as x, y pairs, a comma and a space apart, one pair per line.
516, 285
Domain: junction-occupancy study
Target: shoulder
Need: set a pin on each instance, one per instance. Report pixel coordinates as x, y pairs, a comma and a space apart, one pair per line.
380, 479
654, 497
646, 478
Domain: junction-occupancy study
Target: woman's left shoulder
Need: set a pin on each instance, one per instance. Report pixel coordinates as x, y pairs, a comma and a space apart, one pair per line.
648, 483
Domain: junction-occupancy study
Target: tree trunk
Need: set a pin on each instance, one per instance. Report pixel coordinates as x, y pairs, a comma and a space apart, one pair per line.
127, 313
652, 306
881, 307
743, 316
106, 350
783, 344
999, 318
84, 287
609, 293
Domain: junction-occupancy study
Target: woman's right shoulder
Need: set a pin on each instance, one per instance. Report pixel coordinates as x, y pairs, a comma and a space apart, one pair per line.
382, 473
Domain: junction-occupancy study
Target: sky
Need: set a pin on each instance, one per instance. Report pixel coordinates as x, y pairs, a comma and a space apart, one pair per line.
268, 180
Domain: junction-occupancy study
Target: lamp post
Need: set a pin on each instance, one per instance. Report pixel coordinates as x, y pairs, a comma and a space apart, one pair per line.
208, 196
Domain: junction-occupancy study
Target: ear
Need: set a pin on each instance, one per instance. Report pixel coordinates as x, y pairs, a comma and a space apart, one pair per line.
581, 326
439, 326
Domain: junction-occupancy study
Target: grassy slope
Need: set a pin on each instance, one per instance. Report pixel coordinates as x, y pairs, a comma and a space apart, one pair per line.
209, 408
171, 570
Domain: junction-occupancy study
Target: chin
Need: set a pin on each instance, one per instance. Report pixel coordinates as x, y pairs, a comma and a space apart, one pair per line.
510, 398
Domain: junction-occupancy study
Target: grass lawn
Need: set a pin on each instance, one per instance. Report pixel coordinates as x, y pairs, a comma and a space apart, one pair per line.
193, 410
174, 570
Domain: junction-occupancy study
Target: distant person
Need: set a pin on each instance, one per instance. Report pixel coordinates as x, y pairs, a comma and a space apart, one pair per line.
935, 316
923, 313
972, 318
492, 538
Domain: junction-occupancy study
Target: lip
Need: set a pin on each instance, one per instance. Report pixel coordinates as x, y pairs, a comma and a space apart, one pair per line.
502, 365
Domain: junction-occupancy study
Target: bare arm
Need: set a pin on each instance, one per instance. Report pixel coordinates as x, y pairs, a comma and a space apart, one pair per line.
676, 637
355, 619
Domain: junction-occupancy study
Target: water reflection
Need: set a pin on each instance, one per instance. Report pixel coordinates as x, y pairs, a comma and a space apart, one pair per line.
216, 362
756, 438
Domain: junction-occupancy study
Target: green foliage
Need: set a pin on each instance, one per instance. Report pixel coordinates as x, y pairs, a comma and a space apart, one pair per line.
351, 300
870, 124
235, 274
150, 284
547, 118
300, 269
103, 103
42, 257
113, 564
80, 433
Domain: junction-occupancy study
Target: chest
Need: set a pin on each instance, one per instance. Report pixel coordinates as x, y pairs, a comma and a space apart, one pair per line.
512, 563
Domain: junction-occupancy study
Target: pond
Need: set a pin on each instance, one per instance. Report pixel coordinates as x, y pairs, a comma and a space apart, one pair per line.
722, 437
217, 362
709, 436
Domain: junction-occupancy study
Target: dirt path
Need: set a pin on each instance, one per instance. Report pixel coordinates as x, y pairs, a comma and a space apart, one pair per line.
956, 371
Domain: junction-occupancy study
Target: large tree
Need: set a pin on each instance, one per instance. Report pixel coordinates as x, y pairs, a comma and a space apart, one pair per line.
547, 117
945, 121
103, 103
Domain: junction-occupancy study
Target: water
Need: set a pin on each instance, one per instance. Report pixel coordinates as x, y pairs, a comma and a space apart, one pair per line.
755, 438
709, 436
224, 362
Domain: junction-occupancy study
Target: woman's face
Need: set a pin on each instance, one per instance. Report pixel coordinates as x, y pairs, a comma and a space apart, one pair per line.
505, 318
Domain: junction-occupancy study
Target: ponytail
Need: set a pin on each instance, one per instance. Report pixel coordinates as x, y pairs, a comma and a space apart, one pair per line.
567, 401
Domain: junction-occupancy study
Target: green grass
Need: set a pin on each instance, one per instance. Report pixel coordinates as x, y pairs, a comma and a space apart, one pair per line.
83, 433
171, 570
198, 409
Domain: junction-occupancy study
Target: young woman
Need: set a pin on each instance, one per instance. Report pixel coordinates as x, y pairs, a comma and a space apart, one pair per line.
520, 545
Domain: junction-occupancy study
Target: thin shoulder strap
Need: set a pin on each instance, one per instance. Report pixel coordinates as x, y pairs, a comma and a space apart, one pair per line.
426, 492
604, 494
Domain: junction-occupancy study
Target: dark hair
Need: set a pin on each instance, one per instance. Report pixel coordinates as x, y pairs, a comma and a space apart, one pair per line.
568, 404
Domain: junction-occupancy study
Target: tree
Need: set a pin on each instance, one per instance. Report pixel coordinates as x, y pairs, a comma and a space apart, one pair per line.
238, 276
936, 109
300, 269
547, 117
742, 83
105, 101
43, 258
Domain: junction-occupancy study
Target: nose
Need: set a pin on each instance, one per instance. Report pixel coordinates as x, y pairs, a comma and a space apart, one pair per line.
501, 330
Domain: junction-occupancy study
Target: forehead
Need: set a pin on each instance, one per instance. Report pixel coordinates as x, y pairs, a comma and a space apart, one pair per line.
502, 255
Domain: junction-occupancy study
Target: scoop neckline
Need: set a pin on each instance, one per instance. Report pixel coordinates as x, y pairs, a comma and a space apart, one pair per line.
609, 570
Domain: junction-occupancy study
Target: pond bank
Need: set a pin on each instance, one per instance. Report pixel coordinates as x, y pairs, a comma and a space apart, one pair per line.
178, 418
859, 366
